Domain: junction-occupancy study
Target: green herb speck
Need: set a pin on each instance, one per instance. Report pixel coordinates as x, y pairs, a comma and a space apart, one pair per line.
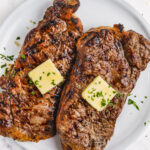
99, 94
114, 92
53, 82
32, 93
131, 102
92, 98
103, 103
48, 74
34, 22
118, 95
30, 82
4, 65
18, 38
8, 58
14, 72
110, 104
23, 56
78, 85
36, 82
40, 77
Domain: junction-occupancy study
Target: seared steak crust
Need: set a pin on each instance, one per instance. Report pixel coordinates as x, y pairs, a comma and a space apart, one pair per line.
118, 57
25, 114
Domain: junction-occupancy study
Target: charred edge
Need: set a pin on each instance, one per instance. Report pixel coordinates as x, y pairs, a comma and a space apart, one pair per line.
103, 32
11, 112
3, 111
30, 35
68, 4
59, 3
33, 49
2, 102
48, 24
1, 122
118, 46
74, 20
76, 71
68, 94
85, 37
121, 27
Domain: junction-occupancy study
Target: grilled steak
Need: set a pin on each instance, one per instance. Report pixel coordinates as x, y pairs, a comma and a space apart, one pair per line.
25, 114
118, 57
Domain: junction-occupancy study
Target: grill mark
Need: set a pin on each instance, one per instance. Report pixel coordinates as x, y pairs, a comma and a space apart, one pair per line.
3, 111
48, 24
76, 70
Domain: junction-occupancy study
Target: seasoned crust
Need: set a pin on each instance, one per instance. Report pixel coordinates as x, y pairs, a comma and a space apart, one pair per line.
102, 51
28, 117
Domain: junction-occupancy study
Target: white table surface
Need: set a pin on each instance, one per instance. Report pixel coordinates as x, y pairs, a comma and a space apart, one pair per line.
143, 6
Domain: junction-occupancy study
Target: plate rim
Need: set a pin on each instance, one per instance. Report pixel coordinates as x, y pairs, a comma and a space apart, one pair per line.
124, 3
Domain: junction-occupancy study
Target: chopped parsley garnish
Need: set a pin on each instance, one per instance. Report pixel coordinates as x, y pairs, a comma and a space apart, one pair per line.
92, 98
78, 85
30, 82
53, 82
34, 22
118, 95
99, 94
40, 86
110, 104
18, 38
14, 72
8, 58
10, 94
131, 102
114, 92
23, 56
4, 65
145, 97
32, 93
36, 82
40, 77
129, 94
48, 74
90, 92
19, 74
53, 73
103, 103
6, 71
144, 123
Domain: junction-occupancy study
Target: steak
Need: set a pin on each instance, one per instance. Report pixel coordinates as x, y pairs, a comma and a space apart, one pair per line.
25, 114
117, 56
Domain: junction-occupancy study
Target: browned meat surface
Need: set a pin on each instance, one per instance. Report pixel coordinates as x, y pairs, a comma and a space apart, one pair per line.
118, 57
25, 114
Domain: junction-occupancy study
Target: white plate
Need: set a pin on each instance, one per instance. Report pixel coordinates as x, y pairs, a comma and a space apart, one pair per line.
93, 13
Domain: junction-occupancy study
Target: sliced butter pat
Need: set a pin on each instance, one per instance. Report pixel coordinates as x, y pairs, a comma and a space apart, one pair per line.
99, 94
46, 76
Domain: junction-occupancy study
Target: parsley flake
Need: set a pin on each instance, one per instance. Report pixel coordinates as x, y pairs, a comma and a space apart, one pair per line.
23, 56
131, 102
